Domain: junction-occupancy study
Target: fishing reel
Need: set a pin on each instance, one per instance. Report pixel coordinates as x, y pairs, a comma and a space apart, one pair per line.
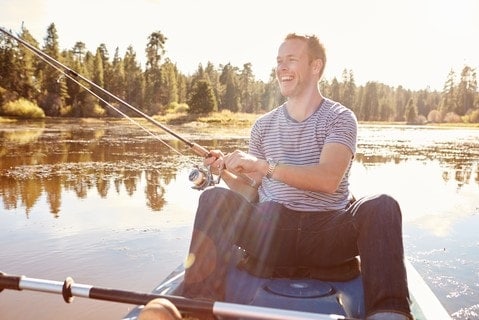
203, 178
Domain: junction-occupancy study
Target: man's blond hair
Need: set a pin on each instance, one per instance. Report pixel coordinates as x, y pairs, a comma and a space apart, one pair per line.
316, 49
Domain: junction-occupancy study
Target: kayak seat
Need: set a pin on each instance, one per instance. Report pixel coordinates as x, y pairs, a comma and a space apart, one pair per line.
343, 272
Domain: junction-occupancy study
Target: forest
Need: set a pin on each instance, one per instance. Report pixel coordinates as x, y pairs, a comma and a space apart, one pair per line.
31, 88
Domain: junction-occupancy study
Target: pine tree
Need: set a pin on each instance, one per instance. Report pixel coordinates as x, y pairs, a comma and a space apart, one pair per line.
448, 103
134, 82
202, 98
466, 90
54, 90
411, 112
30, 87
231, 94
8, 66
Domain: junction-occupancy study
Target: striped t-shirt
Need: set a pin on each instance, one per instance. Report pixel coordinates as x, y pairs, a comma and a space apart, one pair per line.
277, 136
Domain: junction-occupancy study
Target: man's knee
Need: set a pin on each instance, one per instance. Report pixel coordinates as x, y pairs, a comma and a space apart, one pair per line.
214, 195
381, 203
379, 208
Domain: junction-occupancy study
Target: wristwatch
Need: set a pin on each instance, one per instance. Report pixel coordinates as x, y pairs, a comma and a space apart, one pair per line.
272, 165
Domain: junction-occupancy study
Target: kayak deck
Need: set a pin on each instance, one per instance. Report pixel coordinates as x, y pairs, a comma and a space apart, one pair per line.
306, 295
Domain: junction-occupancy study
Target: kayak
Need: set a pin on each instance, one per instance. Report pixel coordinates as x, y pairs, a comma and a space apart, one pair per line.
326, 296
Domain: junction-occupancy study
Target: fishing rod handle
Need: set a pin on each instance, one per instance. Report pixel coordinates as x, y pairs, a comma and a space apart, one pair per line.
199, 150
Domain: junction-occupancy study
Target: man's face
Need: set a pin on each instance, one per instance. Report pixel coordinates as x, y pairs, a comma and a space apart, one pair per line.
293, 69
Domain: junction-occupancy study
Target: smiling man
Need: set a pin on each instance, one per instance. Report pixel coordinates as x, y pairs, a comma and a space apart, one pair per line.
294, 207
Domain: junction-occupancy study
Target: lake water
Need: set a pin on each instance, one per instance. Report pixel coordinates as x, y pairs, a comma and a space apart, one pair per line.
111, 206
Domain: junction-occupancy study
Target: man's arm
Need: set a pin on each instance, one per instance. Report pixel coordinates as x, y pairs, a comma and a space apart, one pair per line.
245, 185
323, 177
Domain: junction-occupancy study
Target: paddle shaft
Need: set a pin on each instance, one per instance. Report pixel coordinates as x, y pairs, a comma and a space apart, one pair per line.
68, 289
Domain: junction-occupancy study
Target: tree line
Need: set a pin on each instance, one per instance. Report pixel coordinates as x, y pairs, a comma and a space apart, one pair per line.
27, 82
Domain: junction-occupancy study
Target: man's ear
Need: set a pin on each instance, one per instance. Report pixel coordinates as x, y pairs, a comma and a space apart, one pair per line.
317, 65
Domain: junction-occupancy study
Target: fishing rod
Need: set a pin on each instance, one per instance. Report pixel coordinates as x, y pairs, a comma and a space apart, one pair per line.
200, 177
199, 150
69, 289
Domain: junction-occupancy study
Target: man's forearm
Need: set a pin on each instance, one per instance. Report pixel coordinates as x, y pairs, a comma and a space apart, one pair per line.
242, 184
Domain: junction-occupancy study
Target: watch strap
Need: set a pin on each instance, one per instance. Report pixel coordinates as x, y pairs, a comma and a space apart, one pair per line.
272, 164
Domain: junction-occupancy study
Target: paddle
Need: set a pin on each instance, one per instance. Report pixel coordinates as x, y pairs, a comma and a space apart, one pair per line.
68, 289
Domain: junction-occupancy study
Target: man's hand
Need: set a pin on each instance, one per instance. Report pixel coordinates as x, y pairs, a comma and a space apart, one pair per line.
159, 309
215, 161
242, 162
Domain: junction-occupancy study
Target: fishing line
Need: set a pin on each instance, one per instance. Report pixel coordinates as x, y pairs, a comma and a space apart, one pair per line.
199, 150
201, 177
111, 106
70, 74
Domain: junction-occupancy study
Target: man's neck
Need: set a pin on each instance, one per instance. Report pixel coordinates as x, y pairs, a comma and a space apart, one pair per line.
301, 108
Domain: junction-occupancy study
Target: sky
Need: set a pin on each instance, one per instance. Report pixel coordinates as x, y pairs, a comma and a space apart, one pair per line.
412, 43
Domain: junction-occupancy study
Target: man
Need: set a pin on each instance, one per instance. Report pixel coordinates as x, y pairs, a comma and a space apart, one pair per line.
297, 168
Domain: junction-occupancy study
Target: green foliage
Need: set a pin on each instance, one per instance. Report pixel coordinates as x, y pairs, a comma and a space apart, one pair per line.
162, 88
452, 117
134, 82
230, 99
85, 106
54, 92
7, 95
411, 112
175, 107
474, 116
202, 98
434, 116
22, 108
370, 102
155, 49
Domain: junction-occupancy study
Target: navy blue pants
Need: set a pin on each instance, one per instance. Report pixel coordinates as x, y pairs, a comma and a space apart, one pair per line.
370, 227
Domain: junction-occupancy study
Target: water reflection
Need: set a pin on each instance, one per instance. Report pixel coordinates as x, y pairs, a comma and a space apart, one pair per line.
39, 158
25, 185
119, 197
456, 150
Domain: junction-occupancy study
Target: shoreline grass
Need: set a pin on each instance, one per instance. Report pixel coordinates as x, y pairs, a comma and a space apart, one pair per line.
234, 119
